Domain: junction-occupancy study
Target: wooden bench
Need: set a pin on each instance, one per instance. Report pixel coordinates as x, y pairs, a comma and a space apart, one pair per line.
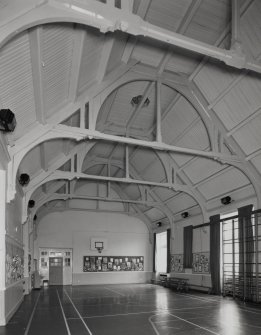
155, 282
163, 279
180, 284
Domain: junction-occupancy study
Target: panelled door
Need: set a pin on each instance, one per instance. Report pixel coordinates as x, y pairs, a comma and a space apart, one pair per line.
55, 271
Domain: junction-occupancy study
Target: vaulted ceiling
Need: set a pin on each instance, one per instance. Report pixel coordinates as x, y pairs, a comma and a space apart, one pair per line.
132, 108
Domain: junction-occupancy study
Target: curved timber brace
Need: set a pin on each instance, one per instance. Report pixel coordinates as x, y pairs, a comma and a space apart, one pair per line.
106, 17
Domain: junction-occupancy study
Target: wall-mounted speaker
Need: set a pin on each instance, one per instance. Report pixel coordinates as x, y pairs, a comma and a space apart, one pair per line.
226, 200
31, 203
185, 215
24, 179
7, 120
159, 224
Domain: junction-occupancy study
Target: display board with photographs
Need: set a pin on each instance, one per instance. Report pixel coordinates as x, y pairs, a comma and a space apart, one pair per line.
112, 263
14, 263
176, 263
200, 262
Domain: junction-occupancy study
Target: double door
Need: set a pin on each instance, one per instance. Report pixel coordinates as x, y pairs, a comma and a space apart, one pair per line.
55, 270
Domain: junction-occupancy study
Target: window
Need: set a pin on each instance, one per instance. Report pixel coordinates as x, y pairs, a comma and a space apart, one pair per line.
229, 247
67, 261
43, 263
161, 252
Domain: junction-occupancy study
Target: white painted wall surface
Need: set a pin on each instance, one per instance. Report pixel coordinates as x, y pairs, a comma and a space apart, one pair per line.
2, 244
126, 235
12, 294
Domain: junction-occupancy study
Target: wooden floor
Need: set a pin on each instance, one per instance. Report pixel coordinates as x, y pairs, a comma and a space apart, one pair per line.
130, 310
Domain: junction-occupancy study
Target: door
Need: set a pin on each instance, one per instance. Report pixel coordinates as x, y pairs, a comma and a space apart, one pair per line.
55, 271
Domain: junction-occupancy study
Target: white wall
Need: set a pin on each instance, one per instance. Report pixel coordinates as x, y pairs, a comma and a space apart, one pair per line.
126, 235
13, 294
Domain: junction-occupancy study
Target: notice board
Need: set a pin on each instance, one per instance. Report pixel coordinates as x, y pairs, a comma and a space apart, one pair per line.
112, 263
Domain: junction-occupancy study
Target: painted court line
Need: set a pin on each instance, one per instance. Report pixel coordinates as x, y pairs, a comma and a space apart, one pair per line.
123, 314
194, 324
194, 318
66, 324
158, 311
106, 288
153, 325
249, 325
253, 311
31, 317
197, 298
94, 297
85, 325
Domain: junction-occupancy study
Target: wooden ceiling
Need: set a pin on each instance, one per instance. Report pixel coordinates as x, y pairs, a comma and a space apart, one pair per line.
110, 120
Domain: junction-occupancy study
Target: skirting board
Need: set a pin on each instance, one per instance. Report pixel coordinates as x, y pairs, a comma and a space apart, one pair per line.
13, 310
5, 318
121, 277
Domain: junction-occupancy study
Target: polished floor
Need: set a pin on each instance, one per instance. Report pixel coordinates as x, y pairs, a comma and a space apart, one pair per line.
130, 310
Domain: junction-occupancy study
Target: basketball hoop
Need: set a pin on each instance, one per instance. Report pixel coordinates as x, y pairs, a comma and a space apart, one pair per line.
99, 246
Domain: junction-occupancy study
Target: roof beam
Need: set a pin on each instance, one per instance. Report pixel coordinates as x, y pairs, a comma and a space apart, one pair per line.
246, 4
167, 110
93, 134
142, 11
105, 115
78, 42
98, 198
241, 124
181, 29
154, 195
54, 187
44, 164
125, 200
236, 43
253, 154
73, 175
107, 160
245, 166
105, 57
106, 18
192, 191
37, 64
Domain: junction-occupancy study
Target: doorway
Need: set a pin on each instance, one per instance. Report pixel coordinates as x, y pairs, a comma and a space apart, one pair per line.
55, 270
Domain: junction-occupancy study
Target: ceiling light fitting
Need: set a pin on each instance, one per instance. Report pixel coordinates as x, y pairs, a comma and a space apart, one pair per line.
135, 101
